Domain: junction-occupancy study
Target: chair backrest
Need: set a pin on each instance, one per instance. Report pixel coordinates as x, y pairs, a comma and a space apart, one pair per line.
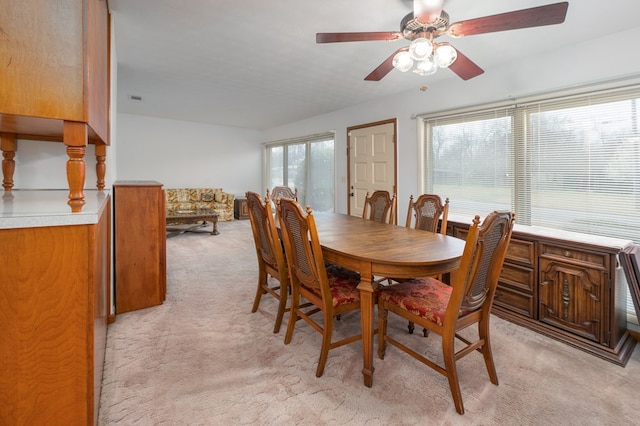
427, 210
268, 247
379, 206
304, 254
278, 192
475, 281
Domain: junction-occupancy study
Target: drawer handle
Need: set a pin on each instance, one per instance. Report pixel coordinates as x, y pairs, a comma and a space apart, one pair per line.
567, 253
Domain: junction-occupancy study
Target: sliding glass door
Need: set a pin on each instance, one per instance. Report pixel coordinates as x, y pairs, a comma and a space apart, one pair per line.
306, 164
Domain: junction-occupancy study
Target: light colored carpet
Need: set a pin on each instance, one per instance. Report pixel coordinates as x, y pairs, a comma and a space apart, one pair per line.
203, 358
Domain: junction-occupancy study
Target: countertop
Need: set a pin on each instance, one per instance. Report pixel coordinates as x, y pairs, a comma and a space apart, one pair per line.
28, 208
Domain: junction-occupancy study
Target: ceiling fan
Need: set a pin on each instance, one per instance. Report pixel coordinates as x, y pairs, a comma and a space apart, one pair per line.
428, 21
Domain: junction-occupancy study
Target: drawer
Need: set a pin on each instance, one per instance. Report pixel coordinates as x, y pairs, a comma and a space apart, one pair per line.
573, 254
515, 301
460, 233
518, 277
522, 251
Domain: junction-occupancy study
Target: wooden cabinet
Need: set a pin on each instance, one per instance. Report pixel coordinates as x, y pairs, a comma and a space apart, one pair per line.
573, 289
568, 286
54, 299
55, 82
139, 244
240, 208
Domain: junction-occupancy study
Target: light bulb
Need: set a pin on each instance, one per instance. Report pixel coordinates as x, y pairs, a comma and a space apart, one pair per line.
420, 48
402, 61
445, 55
426, 67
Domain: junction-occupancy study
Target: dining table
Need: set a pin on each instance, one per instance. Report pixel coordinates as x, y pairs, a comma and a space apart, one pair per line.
377, 249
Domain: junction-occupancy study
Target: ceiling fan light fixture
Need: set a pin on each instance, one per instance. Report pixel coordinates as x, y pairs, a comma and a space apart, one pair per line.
420, 48
402, 61
445, 55
426, 67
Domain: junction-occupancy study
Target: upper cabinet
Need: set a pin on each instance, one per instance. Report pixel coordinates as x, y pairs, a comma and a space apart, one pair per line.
55, 68
54, 85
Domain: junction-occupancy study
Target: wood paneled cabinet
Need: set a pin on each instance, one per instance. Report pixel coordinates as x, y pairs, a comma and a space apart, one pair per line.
139, 245
55, 82
569, 287
54, 299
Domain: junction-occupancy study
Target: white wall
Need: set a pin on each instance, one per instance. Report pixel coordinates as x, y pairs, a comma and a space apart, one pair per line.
185, 154
42, 165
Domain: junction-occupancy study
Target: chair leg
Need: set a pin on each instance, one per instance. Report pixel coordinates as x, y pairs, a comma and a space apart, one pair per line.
326, 343
293, 317
382, 331
282, 306
483, 332
411, 327
448, 351
262, 281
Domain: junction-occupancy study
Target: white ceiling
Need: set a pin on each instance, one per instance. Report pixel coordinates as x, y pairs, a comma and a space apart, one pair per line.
255, 63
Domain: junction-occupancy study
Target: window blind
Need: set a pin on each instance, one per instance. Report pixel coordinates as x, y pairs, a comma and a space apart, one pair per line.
570, 163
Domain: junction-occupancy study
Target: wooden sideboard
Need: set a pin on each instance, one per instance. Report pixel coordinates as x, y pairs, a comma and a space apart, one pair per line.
565, 285
54, 299
55, 83
139, 245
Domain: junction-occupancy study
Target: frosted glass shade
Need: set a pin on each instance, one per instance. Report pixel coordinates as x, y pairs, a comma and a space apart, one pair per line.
426, 67
445, 55
420, 49
402, 61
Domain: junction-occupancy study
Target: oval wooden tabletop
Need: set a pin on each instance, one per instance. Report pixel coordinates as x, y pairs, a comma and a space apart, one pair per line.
387, 247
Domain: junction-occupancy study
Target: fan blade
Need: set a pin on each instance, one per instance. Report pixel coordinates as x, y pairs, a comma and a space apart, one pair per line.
526, 18
384, 68
427, 11
371, 36
465, 67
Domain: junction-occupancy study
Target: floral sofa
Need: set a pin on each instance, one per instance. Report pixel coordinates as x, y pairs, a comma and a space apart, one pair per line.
182, 199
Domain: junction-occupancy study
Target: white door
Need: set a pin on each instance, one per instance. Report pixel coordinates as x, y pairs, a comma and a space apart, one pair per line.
372, 162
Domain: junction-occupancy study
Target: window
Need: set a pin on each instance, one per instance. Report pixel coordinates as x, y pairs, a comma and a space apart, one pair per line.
471, 161
306, 164
570, 163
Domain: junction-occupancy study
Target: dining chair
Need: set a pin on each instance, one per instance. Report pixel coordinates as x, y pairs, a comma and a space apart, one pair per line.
271, 260
329, 289
445, 309
380, 206
278, 192
426, 213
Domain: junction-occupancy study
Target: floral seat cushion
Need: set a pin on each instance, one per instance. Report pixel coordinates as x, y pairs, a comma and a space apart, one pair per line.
426, 297
344, 285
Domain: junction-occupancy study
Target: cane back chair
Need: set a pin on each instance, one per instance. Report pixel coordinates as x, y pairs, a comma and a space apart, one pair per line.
380, 206
271, 260
445, 310
428, 211
425, 213
331, 290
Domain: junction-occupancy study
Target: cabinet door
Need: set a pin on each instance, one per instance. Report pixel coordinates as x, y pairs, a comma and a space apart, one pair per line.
571, 297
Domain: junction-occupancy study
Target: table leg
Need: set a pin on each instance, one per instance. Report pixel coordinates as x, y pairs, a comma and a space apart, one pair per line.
215, 231
367, 299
